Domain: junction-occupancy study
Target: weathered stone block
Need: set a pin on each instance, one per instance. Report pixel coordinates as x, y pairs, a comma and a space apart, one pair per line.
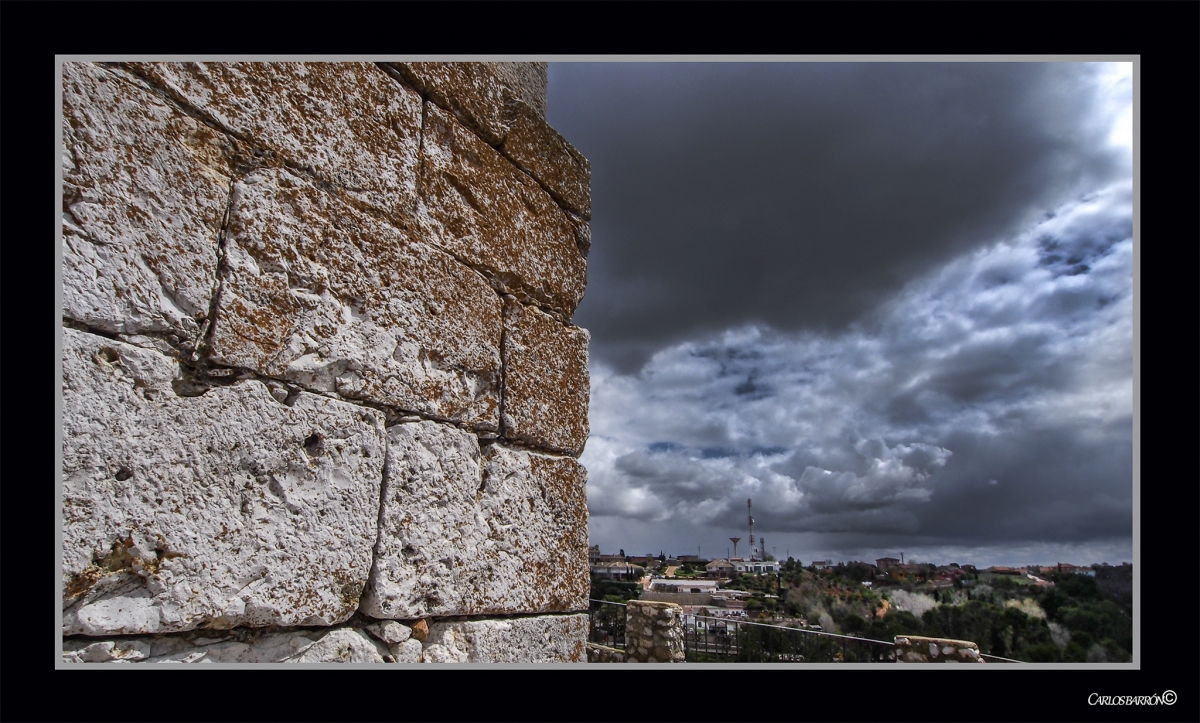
320, 294
144, 192
479, 207
390, 632
604, 654
918, 649
486, 97
77, 650
335, 645
224, 509
539, 150
470, 533
541, 639
546, 380
348, 122
407, 652
344, 645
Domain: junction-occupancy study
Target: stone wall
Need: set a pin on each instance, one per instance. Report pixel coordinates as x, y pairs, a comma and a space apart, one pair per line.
916, 649
322, 397
653, 632
597, 653
679, 598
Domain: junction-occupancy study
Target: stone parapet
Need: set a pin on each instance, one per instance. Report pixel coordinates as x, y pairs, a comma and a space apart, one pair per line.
917, 649
597, 653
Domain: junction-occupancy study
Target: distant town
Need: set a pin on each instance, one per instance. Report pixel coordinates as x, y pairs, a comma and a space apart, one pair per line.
1054, 612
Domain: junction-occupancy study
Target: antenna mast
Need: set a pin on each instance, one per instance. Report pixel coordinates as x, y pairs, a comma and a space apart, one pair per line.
750, 514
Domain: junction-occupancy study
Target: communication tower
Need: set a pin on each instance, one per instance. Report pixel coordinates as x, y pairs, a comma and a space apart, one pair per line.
750, 513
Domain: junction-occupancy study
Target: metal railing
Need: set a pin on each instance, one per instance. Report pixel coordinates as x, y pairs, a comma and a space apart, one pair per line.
606, 623
712, 639
998, 659
709, 639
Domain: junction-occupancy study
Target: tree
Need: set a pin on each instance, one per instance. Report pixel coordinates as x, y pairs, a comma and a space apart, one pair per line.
1080, 587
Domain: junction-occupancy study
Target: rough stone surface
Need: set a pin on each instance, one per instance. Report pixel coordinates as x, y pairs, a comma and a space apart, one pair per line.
918, 649
487, 97
541, 639
318, 293
603, 654
349, 123
420, 630
334, 645
539, 150
224, 509
530, 80
105, 651
344, 645
654, 632
266, 263
407, 652
479, 207
583, 235
390, 632
470, 533
546, 380
144, 192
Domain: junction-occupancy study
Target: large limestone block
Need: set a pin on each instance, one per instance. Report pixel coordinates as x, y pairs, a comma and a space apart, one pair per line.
465, 532
478, 206
542, 152
144, 192
320, 294
212, 511
333, 645
349, 123
540, 639
486, 97
546, 380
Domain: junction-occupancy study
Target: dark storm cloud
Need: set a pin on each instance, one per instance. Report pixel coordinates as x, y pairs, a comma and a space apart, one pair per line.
802, 195
988, 404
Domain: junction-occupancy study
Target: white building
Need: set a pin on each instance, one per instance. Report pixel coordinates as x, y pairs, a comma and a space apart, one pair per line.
754, 567
617, 570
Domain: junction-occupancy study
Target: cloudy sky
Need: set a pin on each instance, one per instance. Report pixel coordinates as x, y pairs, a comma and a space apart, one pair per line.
892, 303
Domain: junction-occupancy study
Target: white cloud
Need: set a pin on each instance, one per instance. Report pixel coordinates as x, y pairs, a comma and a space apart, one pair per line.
852, 432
